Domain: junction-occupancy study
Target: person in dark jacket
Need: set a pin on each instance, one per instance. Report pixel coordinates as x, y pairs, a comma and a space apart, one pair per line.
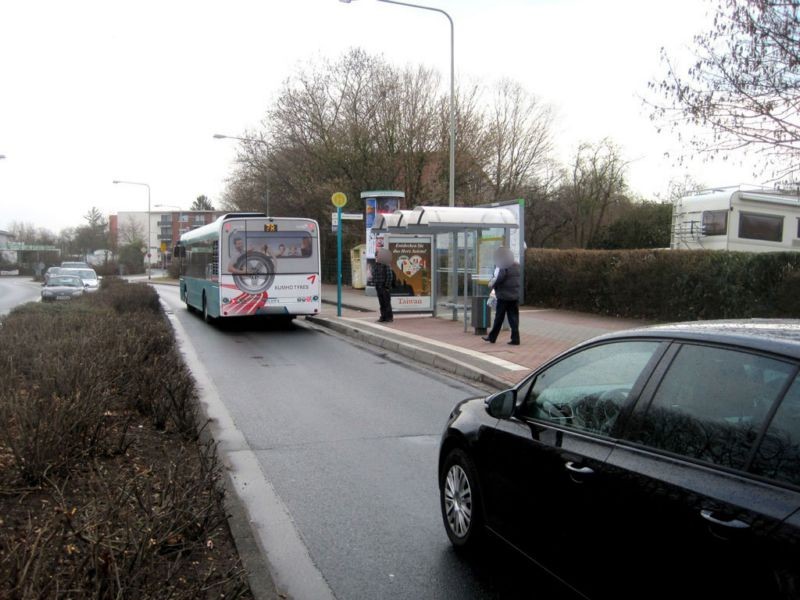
506, 288
383, 277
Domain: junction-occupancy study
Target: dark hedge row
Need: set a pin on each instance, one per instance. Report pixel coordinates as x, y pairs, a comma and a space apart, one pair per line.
105, 490
665, 285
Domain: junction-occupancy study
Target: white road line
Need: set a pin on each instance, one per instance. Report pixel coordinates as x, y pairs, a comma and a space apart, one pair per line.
508, 365
272, 524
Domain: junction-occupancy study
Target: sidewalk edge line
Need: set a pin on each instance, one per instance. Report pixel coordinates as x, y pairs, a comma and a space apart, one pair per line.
423, 355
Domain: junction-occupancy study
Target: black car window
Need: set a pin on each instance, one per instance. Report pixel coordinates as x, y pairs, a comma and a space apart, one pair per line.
778, 455
711, 404
588, 389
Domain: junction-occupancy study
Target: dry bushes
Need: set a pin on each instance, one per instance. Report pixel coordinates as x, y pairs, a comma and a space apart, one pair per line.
104, 490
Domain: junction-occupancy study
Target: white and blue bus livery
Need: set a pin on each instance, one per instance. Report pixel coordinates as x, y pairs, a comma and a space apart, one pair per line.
246, 264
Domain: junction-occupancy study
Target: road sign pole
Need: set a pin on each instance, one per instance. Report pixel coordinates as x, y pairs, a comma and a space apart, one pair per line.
339, 263
339, 200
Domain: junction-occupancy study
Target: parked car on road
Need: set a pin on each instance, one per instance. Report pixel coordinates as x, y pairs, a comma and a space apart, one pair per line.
62, 287
660, 462
89, 277
50, 272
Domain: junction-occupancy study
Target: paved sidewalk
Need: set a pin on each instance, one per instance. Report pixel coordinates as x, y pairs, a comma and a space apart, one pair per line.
544, 333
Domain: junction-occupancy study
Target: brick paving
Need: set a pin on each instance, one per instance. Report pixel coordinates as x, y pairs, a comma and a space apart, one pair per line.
543, 332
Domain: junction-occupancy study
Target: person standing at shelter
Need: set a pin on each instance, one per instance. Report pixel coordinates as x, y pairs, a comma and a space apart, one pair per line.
383, 277
506, 288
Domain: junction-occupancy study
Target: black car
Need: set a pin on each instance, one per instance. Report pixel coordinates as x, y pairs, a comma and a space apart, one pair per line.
660, 462
62, 287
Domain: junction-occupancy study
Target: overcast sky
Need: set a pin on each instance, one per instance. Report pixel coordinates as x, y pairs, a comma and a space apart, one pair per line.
92, 91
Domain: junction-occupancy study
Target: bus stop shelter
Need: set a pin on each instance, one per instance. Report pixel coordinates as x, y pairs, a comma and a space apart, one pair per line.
437, 220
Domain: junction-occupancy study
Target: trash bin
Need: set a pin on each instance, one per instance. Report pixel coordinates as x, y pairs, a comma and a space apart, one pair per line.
358, 259
481, 314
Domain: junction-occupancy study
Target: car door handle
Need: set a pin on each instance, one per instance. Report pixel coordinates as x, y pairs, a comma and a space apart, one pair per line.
578, 470
731, 524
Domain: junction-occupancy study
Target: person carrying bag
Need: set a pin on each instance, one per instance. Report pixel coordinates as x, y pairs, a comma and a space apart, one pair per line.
505, 286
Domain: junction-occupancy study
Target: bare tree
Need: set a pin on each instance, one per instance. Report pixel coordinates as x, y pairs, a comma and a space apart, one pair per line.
130, 231
518, 137
744, 83
360, 123
28, 233
594, 183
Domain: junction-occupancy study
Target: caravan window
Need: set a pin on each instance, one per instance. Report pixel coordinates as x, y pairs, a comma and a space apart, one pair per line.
715, 222
753, 226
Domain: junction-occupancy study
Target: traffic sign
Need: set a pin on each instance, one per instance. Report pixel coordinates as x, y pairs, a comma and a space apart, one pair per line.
339, 199
346, 217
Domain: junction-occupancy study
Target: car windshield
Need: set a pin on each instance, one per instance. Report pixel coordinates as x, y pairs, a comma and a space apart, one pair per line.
85, 274
66, 280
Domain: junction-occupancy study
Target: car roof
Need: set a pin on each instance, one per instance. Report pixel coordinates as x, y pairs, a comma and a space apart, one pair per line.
780, 336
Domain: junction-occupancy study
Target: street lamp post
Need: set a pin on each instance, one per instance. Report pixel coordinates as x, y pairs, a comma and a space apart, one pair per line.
451, 196
148, 219
219, 136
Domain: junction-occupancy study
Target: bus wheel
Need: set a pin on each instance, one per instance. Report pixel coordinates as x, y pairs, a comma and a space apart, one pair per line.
206, 317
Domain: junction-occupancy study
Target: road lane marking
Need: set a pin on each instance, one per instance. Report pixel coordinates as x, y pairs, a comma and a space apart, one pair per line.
270, 520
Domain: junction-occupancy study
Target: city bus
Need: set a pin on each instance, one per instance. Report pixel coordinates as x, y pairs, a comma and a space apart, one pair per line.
247, 264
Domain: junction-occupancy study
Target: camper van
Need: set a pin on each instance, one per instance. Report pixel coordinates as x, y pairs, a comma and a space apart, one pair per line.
760, 220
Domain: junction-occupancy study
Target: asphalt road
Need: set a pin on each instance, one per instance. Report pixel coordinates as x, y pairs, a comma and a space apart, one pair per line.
17, 290
348, 439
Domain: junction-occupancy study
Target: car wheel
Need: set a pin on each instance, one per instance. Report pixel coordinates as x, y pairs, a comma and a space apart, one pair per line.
460, 501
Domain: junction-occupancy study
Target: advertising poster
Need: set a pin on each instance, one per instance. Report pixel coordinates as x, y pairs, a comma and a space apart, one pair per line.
374, 207
412, 265
488, 242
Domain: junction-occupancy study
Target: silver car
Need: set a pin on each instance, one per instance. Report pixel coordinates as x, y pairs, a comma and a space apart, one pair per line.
89, 277
62, 287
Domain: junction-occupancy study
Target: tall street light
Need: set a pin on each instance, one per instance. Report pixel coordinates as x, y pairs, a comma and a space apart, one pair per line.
451, 193
219, 136
451, 196
148, 218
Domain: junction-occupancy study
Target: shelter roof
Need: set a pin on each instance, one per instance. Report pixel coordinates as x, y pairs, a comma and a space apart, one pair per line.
444, 219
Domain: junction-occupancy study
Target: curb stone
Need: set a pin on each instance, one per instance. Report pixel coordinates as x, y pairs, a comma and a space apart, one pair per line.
254, 562
415, 353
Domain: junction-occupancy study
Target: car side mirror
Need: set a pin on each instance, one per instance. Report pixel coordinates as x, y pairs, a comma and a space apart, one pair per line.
501, 404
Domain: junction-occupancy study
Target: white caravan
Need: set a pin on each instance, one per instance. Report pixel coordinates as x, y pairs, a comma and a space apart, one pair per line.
737, 219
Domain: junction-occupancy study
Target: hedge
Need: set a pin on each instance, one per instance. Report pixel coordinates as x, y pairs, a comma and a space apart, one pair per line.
665, 285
